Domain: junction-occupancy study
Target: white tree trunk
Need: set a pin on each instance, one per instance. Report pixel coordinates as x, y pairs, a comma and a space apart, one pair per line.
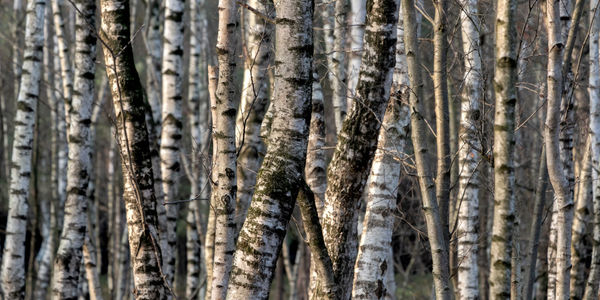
253, 104
280, 175
374, 264
12, 272
64, 55
338, 63
316, 162
171, 133
468, 155
134, 147
505, 77
224, 152
591, 287
69, 255
357, 31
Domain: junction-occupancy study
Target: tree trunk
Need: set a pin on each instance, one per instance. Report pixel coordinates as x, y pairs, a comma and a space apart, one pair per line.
338, 63
12, 272
556, 166
280, 176
253, 105
468, 155
357, 31
134, 147
171, 133
67, 263
504, 123
224, 151
435, 229
591, 287
374, 264
91, 269
64, 55
316, 162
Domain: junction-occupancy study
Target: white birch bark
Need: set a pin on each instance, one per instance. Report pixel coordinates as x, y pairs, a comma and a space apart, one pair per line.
12, 271
63, 148
209, 244
193, 245
224, 152
581, 222
593, 279
468, 155
134, 147
374, 264
171, 132
505, 77
44, 258
351, 163
91, 269
253, 104
67, 263
280, 175
556, 166
316, 162
357, 31
338, 63
66, 65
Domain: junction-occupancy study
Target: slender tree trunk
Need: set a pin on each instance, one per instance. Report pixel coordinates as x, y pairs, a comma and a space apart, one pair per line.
373, 263
209, 247
591, 287
556, 166
504, 123
224, 151
44, 258
338, 63
123, 270
357, 31
468, 155
435, 229
66, 65
253, 105
280, 176
440, 83
69, 255
580, 223
17, 61
91, 269
536, 226
316, 163
12, 271
171, 133
134, 147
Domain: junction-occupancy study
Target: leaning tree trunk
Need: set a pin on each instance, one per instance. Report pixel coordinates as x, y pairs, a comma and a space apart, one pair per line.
171, 133
253, 104
591, 287
224, 151
281, 173
556, 167
374, 263
351, 163
67, 263
12, 272
134, 147
468, 155
504, 139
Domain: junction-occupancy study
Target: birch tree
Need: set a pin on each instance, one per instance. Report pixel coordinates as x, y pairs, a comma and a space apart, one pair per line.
280, 175
468, 155
505, 77
591, 287
374, 262
140, 202
12, 271
69, 255
66, 66
350, 165
224, 151
338, 62
253, 103
357, 31
171, 132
